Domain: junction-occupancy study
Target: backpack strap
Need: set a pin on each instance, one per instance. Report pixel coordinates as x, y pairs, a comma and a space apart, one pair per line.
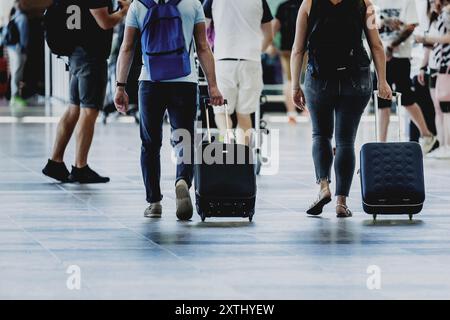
174, 2
148, 3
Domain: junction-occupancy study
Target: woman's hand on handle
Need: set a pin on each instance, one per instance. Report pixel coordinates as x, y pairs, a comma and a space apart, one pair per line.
299, 98
384, 90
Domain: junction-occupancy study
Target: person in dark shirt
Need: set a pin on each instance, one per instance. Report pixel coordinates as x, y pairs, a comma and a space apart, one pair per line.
284, 23
88, 70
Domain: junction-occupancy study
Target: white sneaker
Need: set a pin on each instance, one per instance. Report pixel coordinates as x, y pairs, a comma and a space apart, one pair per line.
435, 154
427, 144
184, 204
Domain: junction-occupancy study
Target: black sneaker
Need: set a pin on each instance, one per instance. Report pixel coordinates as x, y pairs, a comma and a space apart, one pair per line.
86, 175
57, 171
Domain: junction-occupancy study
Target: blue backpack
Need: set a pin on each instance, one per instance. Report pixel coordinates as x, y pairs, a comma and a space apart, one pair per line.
163, 43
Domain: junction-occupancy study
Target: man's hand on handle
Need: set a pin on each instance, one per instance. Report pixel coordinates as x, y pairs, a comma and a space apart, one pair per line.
215, 96
121, 100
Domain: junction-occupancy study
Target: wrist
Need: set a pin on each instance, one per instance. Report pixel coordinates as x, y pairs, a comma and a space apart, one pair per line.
213, 86
121, 84
296, 88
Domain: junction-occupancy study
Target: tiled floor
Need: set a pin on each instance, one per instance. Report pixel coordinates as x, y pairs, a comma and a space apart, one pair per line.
46, 227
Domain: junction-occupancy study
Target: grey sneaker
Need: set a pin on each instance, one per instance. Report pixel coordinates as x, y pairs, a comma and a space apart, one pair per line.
427, 144
153, 211
184, 203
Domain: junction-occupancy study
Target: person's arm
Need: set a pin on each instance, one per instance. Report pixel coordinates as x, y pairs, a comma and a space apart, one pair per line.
24, 28
424, 65
426, 57
107, 20
268, 35
206, 59
431, 40
298, 52
124, 62
276, 26
377, 49
404, 34
266, 26
407, 25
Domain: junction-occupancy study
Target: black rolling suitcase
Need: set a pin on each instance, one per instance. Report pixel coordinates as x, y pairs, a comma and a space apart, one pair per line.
392, 175
225, 179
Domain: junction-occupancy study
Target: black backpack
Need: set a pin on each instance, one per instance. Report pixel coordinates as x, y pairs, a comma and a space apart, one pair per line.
335, 33
289, 24
61, 40
12, 36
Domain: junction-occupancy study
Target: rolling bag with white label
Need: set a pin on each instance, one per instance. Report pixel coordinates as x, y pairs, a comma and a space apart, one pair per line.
392, 175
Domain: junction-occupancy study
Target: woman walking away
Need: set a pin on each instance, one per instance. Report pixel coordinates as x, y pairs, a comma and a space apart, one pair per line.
338, 86
438, 40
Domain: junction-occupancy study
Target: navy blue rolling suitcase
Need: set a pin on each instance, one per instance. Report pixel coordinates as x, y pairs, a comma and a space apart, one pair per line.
225, 179
392, 175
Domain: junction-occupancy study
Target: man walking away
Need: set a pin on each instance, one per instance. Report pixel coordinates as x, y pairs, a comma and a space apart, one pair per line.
168, 81
398, 20
243, 31
88, 69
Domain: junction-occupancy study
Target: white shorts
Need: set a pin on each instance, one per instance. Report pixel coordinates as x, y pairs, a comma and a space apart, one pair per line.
241, 84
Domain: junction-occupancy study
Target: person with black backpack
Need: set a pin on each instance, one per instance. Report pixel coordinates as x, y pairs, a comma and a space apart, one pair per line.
83, 31
338, 86
15, 38
285, 23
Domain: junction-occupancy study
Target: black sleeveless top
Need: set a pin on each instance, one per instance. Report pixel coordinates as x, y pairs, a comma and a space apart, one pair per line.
335, 36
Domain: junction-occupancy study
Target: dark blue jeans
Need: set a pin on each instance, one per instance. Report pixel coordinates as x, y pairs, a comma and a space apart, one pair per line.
336, 106
180, 100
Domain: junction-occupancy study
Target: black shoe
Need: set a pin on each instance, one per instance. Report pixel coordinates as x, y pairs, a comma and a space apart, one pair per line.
57, 171
86, 175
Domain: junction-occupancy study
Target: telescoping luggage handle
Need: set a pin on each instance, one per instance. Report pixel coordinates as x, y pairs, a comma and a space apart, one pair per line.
207, 102
398, 97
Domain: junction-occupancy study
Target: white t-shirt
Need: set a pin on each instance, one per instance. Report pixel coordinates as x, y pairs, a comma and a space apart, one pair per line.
237, 25
191, 14
406, 12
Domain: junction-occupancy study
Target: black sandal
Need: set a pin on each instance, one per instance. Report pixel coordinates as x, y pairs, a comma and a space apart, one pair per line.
317, 207
347, 214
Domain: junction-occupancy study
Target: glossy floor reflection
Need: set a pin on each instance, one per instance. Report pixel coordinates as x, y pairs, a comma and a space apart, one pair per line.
46, 227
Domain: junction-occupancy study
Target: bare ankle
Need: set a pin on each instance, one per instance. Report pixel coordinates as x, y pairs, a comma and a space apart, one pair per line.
341, 201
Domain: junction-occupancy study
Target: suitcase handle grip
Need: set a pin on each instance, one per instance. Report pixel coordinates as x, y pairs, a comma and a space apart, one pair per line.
398, 97
207, 103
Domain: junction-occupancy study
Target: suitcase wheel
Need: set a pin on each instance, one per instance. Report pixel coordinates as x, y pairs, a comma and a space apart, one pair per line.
251, 214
